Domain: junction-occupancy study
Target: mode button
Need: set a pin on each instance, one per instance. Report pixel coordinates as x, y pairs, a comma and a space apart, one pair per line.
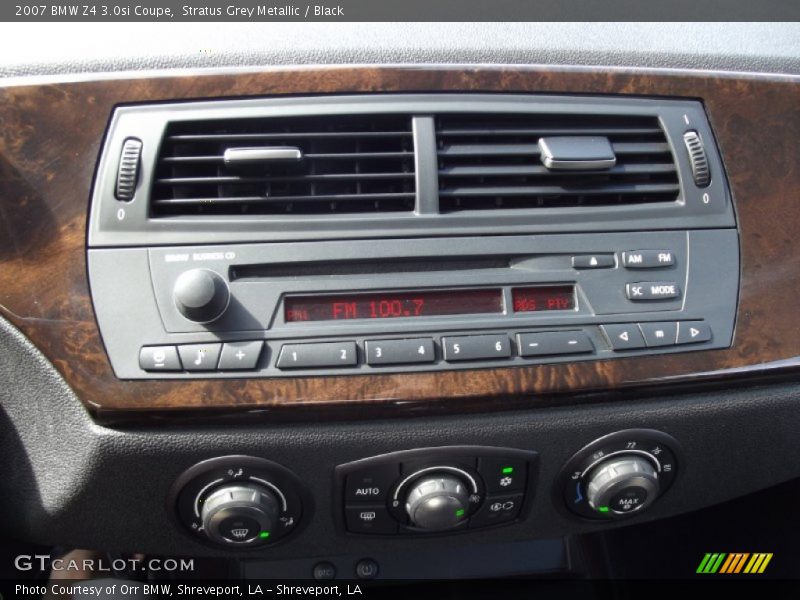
652, 290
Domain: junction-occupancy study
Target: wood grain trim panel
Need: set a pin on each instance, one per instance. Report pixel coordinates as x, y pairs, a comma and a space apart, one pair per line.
50, 136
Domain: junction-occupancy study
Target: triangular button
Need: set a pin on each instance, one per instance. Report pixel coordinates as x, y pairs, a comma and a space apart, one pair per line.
624, 336
694, 332
593, 261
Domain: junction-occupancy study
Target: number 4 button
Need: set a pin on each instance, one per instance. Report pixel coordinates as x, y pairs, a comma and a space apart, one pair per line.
397, 352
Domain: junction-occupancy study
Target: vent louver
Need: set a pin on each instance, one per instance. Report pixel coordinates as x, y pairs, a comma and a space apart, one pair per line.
493, 162
349, 164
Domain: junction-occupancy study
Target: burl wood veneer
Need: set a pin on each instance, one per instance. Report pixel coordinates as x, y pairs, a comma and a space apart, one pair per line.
50, 137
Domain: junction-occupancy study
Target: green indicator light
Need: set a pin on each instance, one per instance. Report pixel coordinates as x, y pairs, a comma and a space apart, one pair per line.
460, 512
508, 470
264, 535
602, 509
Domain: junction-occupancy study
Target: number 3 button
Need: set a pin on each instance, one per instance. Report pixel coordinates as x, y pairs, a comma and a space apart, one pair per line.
395, 352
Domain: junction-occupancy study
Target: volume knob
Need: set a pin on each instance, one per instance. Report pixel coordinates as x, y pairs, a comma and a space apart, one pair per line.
201, 295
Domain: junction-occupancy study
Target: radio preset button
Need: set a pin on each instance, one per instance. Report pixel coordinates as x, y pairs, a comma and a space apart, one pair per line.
647, 259
554, 342
159, 358
395, 352
652, 290
593, 261
326, 354
476, 347
240, 355
693, 332
623, 337
659, 334
200, 357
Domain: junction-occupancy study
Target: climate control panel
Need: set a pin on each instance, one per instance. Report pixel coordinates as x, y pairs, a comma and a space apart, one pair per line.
434, 490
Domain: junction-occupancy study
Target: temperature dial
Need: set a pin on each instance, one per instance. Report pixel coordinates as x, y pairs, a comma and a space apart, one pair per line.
623, 484
620, 474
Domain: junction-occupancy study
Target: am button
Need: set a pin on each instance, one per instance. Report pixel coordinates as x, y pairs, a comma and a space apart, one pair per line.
647, 259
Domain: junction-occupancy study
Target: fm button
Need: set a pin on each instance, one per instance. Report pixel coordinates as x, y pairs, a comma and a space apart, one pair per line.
647, 259
652, 290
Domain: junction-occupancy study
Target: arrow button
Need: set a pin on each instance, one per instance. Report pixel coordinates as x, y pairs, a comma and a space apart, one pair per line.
624, 336
693, 332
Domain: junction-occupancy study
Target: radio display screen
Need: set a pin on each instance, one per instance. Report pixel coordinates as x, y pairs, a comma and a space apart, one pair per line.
550, 297
392, 305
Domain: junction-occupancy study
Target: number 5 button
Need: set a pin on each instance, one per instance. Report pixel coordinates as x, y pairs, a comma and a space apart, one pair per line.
476, 347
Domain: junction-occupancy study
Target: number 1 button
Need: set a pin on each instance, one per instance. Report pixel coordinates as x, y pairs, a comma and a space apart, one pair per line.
328, 354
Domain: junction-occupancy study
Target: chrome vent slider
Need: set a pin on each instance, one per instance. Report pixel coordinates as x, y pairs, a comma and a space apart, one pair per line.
577, 153
261, 155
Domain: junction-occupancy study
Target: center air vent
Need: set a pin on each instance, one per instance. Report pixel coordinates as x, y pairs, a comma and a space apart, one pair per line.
290, 165
488, 161
384, 165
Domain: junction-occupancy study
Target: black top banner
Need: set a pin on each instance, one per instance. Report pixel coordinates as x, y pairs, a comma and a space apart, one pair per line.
397, 10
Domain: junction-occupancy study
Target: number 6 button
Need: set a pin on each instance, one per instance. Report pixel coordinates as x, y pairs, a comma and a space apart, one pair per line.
476, 347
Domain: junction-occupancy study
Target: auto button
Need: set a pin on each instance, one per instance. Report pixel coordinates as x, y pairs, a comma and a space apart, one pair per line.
370, 485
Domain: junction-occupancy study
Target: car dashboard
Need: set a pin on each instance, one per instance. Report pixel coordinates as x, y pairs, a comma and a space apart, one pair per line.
366, 319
